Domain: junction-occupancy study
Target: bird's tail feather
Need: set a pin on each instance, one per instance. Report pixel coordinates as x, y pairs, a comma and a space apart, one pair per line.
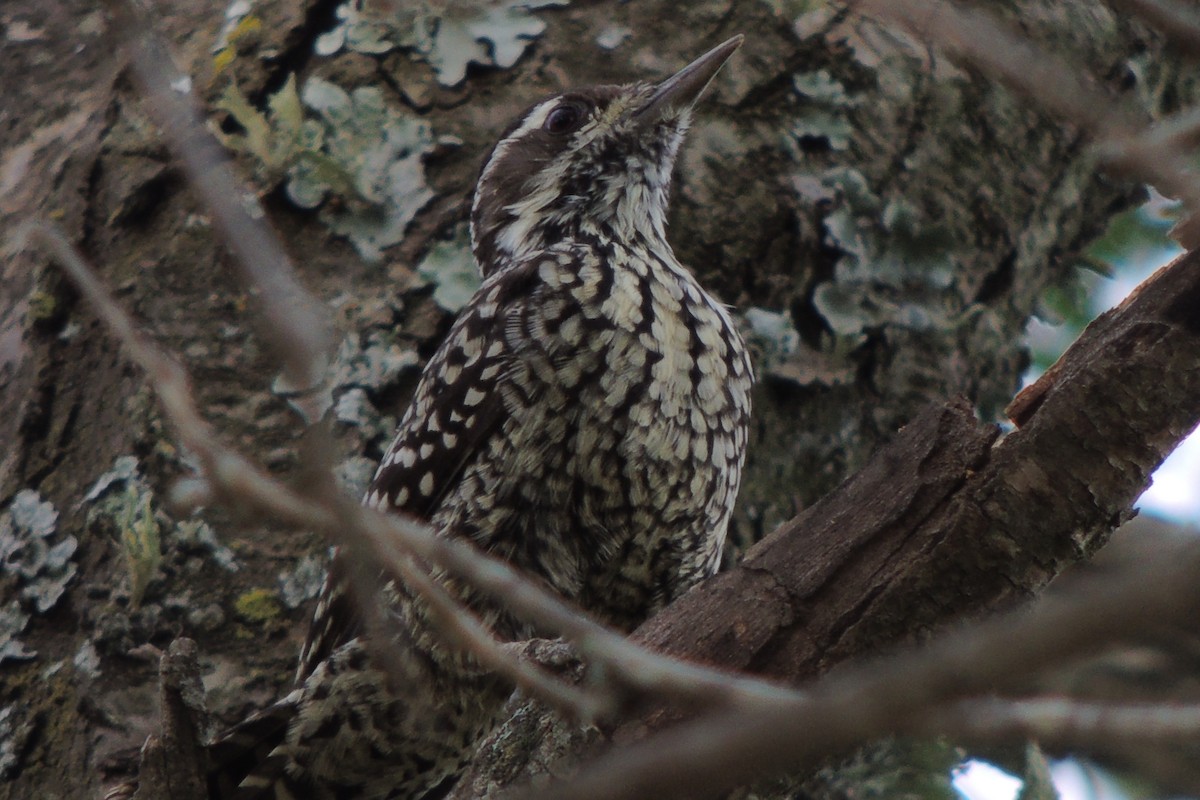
248, 762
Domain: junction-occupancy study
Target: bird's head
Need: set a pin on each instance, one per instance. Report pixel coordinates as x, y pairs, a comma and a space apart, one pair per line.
597, 159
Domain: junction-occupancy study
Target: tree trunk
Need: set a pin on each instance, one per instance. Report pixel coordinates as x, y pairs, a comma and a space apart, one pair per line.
902, 213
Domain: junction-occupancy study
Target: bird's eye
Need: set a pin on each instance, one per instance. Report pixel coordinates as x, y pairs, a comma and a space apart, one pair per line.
564, 118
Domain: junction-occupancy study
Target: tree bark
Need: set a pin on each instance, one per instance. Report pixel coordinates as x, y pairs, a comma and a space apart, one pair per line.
902, 212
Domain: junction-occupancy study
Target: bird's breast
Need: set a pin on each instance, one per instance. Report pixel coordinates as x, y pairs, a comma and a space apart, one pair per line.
614, 474
659, 386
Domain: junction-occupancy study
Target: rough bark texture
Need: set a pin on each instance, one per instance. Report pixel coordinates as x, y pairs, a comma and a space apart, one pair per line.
904, 213
173, 760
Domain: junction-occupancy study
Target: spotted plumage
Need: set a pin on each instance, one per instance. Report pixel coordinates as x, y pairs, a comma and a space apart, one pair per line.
585, 419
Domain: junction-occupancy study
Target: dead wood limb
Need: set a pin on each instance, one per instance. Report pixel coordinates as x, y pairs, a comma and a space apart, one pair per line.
173, 762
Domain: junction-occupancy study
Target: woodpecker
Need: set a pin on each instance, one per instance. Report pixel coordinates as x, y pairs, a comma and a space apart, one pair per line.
585, 419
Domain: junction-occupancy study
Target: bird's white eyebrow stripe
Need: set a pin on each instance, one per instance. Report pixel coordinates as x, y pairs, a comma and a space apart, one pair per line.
533, 120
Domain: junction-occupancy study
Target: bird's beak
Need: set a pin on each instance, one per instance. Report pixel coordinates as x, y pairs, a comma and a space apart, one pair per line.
684, 88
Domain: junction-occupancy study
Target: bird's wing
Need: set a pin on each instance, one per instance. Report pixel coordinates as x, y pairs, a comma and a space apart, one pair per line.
455, 408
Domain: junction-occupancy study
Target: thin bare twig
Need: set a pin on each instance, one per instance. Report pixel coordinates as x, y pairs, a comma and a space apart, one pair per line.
394, 540
1064, 720
769, 727
1180, 23
464, 630
871, 701
1179, 131
627, 666
460, 626
239, 481
293, 322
